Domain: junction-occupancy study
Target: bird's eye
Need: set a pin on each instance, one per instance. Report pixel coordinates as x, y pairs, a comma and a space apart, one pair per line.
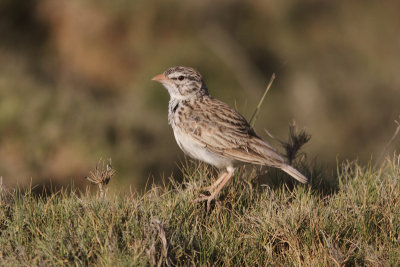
181, 78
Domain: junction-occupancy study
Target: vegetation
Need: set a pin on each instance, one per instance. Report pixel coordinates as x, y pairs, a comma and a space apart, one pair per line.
357, 222
75, 79
75, 86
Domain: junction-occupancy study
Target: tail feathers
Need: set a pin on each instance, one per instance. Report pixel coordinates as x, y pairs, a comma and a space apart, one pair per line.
294, 173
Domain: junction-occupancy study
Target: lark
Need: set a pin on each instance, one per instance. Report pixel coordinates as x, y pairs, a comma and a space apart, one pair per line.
209, 130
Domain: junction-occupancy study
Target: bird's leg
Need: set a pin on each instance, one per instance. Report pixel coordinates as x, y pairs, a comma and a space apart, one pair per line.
228, 175
216, 183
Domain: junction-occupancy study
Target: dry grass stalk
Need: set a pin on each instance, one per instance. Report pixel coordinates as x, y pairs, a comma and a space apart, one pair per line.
295, 142
165, 253
101, 175
255, 114
396, 132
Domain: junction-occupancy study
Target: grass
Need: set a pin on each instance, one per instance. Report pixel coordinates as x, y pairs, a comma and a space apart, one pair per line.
358, 223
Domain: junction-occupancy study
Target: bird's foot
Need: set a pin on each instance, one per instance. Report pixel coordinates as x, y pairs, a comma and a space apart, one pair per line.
207, 189
215, 185
209, 199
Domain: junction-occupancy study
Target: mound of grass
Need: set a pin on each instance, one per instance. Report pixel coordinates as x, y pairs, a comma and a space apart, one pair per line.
251, 224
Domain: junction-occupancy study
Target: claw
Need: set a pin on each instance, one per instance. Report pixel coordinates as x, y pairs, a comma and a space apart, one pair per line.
206, 191
209, 199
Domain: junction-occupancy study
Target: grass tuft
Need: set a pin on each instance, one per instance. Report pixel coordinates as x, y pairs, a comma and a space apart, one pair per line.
251, 224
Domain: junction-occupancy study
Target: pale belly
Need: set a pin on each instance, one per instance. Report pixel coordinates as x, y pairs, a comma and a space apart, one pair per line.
197, 151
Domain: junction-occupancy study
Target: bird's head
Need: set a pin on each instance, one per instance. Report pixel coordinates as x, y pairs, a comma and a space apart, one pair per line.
182, 82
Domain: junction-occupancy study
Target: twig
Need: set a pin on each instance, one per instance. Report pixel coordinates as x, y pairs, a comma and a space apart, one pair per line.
255, 114
396, 132
165, 245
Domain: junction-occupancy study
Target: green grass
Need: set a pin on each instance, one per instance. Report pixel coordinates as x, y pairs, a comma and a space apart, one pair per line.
358, 223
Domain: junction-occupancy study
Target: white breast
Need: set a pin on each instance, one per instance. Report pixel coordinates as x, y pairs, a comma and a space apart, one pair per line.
195, 150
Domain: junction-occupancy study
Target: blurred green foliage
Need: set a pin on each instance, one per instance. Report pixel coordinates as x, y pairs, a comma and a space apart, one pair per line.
75, 79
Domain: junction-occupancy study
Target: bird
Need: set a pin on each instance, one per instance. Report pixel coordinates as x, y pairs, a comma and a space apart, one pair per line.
211, 131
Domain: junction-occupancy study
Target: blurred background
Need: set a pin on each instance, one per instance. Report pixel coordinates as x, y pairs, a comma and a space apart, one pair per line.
75, 80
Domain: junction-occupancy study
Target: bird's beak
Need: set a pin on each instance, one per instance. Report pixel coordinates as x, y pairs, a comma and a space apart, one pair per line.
161, 78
